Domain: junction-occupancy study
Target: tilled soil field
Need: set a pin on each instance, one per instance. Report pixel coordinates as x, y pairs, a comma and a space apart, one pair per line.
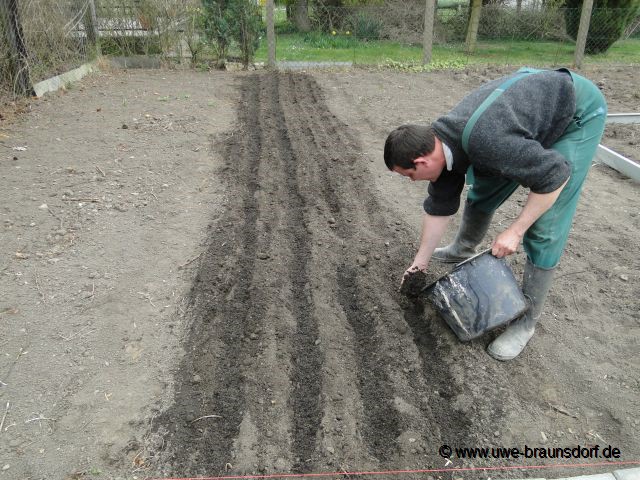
231, 305
298, 319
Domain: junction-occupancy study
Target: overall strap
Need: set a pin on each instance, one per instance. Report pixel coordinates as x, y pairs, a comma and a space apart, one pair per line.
523, 72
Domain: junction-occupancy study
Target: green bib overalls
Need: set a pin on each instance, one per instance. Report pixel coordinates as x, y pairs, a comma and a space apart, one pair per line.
544, 241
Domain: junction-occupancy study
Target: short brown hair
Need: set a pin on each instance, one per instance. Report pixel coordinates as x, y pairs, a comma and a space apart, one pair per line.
406, 143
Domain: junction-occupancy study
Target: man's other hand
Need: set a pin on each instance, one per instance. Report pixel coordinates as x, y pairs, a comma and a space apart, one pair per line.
506, 243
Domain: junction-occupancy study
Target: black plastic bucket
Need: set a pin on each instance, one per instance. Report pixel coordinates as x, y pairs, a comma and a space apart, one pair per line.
477, 296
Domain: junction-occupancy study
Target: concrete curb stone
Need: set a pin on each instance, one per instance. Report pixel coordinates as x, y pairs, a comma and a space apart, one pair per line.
599, 476
627, 474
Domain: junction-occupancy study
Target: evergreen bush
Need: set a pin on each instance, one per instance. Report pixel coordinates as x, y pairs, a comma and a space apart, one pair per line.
609, 19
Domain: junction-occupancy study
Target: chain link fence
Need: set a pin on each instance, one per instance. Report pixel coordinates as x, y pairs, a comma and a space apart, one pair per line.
166, 28
42, 38
503, 30
38, 39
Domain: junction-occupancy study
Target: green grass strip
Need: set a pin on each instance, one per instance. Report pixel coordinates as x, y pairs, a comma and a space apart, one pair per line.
317, 47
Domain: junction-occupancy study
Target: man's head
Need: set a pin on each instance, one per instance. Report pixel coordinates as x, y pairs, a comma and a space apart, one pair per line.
415, 152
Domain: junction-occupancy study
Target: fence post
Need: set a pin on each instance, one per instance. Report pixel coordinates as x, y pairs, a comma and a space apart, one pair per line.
474, 22
271, 36
91, 26
583, 30
17, 49
427, 42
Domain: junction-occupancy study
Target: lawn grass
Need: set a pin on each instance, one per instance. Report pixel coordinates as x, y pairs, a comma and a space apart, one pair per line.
317, 47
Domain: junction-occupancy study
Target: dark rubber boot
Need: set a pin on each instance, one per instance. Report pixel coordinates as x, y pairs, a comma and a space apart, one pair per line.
473, 228
536, 283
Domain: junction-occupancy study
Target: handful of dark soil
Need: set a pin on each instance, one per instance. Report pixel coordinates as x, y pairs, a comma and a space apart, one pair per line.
413, 284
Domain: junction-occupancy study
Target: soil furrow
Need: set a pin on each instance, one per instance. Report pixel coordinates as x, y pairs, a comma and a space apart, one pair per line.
434, 355
306, 357
382, 421
342, 415
225, 311
262, 367
298, 86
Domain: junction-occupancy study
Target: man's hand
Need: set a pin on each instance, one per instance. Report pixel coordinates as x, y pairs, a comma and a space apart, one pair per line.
415, 267
537, 204
433, 228
506, 243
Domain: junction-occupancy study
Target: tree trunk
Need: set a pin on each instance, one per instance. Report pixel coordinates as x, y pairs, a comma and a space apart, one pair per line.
518, 5
474, 22
427, 42
301, 16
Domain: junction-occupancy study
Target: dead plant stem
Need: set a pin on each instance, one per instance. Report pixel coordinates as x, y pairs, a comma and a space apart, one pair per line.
6, 410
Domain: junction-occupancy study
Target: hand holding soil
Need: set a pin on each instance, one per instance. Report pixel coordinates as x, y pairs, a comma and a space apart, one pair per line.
413, 282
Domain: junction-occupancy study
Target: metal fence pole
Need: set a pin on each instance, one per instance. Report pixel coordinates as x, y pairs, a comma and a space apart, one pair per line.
427, 42
271, 36
17, 49
583, 30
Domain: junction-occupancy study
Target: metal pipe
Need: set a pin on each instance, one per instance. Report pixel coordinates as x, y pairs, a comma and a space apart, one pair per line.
623, 118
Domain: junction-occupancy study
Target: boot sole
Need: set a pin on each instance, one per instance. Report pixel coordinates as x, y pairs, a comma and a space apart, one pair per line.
501, 358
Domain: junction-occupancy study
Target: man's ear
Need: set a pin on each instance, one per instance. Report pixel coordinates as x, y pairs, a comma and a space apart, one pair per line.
422, 159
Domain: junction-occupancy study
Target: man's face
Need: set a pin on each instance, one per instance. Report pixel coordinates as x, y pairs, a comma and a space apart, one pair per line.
427, 167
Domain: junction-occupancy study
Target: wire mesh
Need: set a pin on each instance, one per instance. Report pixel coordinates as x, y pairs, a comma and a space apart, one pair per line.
505, 32
146, 27
42, 38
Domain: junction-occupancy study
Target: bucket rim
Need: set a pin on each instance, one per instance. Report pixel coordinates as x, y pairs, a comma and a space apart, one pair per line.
456, 267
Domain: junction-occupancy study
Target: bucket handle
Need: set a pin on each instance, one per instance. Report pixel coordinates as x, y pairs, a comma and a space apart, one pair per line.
487, 250
473, 257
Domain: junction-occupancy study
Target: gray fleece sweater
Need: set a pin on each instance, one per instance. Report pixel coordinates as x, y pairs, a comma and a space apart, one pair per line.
510, 140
